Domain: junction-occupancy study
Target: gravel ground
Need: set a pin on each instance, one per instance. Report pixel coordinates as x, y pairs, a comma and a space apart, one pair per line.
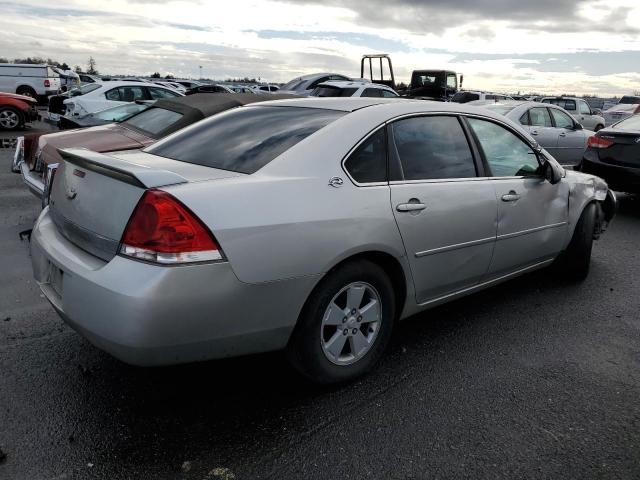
537, 378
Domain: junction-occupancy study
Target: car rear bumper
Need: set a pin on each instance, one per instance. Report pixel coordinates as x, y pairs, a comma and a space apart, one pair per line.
146, 314
624, 179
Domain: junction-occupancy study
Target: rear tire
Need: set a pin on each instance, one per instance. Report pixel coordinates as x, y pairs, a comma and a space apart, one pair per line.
598, 127
10, 118
27, 91
576, 259
338, 337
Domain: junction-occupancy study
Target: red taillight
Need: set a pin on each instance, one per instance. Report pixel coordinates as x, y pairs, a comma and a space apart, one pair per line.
47, 83
599, 142
163, 230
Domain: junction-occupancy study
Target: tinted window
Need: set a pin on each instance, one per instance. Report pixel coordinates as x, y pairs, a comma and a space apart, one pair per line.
158, 93
389, 94
569, 105
153, 120
506, 154
500, 108
562, 119
126, 94
539, 117
372, 92
328, 91
369, 162
464, 97
244, 139
433, 148
524, 119
629, 100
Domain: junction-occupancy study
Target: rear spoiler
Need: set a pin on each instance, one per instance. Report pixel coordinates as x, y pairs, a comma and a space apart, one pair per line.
127, 172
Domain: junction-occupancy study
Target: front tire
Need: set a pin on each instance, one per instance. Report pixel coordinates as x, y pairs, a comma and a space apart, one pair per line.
346, 324
598, 127
576, 259
27, 91
10, 118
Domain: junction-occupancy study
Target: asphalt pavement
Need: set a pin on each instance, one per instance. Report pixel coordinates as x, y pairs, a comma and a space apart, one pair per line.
538, 378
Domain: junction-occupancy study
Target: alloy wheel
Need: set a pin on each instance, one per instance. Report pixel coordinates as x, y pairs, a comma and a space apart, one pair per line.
9, 119
351, 323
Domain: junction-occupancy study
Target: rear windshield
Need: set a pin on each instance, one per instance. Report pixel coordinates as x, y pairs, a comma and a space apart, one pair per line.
629, 100
244, 139
121, 112
498, 108
154, 120
631, 123
77, 92
464, 97
293, 84
327, 91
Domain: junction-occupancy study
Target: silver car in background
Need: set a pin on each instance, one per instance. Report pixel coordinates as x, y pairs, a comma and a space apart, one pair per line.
310, 225
580, 110
552, 127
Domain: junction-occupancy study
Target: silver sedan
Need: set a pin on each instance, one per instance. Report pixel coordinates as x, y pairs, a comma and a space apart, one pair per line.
309, 225
552, 127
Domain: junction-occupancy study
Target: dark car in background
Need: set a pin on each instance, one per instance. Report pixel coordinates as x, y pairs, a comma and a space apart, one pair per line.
614, 155
35, 152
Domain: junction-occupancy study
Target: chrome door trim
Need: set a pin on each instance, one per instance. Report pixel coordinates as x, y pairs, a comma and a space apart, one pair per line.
482, 285
456, 246
530, 230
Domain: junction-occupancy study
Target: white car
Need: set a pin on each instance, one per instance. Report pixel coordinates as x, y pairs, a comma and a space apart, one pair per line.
29, 80
471, 96
265, 88
174, 85
305, 84
94, 97
628, 106
353, 88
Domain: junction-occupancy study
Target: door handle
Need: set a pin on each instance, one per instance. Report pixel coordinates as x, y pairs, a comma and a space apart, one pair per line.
512, 196
563, 134
410, 207
534, 132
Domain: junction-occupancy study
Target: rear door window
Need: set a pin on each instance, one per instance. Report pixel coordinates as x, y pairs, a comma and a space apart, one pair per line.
244, 139
368, 163
372, 92
539, 117
433, 147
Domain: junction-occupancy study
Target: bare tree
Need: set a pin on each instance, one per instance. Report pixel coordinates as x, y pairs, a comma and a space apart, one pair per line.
92, 67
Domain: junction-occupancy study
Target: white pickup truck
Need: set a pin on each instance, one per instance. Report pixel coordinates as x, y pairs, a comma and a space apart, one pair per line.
36, 81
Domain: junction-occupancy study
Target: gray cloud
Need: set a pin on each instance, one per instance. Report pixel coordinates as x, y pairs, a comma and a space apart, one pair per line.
436, 16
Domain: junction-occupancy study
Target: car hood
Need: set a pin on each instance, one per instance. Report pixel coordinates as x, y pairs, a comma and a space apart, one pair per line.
24, 98
103, 138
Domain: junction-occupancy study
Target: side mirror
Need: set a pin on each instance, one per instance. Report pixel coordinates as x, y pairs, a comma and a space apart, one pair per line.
551, 173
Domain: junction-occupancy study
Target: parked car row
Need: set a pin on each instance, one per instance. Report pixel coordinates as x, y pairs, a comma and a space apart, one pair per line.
205, 183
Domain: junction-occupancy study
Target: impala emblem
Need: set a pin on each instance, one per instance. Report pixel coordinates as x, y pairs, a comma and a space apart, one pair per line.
335, 182
70, 192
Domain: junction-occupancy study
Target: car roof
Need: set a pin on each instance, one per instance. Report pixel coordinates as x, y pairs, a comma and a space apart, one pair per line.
126, 83
352, 83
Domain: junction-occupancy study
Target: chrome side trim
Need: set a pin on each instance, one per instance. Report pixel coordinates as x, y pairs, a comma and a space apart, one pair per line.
457, 246
482, 285
506, 236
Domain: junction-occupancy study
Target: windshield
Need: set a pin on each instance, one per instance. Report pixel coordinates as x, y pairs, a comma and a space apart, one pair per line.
154, 120
292, 85
629, 100
427, 79
83, 90
498, 108
244, 139
121, 112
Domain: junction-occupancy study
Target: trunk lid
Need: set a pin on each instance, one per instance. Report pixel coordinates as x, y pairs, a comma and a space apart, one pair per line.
93, 195
624, 152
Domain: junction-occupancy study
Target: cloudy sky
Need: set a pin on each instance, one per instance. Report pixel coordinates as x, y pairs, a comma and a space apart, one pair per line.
503, 45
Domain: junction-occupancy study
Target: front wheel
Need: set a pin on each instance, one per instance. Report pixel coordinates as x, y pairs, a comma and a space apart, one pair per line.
345, 325
598, 127
10, 118
576, 259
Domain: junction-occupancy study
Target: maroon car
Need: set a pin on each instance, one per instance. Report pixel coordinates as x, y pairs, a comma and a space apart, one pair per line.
16, 110
36, 151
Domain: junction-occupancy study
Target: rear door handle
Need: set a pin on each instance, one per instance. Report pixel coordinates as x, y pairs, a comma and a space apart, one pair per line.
534, 132
512, 196
410, 207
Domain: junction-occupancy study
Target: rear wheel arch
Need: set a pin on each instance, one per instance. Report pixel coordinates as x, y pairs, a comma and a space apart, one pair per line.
26, 90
